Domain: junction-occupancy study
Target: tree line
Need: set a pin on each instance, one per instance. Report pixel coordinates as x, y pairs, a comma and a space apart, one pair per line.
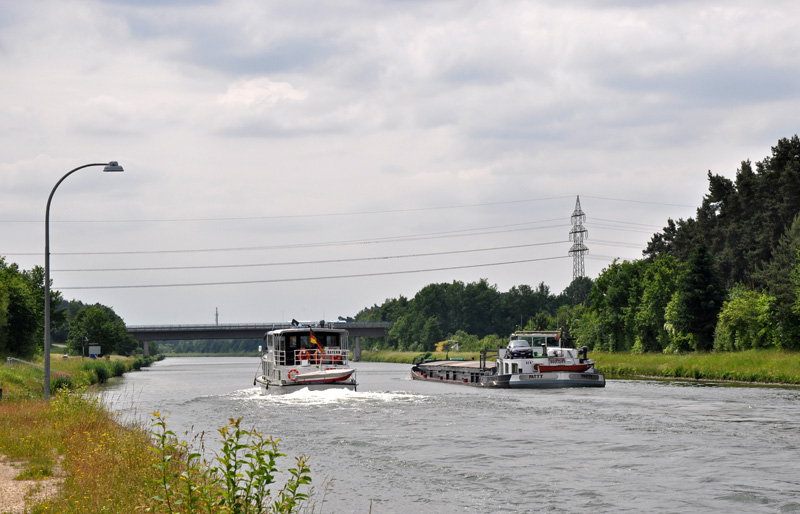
72, 323
475, 314
727, 279
228, 346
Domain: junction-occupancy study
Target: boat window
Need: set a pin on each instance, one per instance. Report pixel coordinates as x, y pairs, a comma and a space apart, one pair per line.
292, 345
329, 340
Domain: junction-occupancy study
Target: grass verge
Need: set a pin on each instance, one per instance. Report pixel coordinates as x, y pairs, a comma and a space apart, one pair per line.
108, 467
21, 381
754, 366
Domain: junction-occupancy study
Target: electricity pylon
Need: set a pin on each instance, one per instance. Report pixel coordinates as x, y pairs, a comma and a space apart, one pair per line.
577, 235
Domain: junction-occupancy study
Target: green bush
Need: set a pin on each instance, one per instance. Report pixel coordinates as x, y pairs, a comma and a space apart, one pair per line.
62, 381
100, 370
236, 482
91, 376
118, 368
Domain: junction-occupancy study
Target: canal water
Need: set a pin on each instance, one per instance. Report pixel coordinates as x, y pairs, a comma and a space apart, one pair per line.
400, 446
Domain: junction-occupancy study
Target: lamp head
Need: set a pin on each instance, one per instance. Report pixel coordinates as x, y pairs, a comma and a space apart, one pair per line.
113, 166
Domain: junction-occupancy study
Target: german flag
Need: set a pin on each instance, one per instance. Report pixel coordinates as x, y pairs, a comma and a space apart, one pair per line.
314, 340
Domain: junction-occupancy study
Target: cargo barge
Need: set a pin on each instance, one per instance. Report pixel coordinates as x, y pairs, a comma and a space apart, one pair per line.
532, 360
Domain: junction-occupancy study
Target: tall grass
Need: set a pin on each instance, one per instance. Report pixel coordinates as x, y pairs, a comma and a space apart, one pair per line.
111, 468
21, 381
757, 366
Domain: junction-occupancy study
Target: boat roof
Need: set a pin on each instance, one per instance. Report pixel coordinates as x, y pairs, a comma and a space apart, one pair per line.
306, 329
536, 333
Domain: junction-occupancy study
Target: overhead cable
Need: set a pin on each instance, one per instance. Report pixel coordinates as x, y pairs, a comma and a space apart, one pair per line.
309, 279
325, 261
388, 239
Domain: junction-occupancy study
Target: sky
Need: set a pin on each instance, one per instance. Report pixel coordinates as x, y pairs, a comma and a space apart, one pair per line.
293, 159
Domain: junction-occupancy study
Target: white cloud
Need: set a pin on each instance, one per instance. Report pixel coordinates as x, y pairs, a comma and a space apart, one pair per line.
254, 110
260, 93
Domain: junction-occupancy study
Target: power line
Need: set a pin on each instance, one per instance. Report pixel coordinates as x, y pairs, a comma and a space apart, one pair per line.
640, 201
356, 213
628, 223
620, 229
617, 243
292, 263
294, 216
388, 239
307, 279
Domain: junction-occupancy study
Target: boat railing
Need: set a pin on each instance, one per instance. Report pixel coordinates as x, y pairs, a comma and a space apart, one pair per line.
280, 358
329, 355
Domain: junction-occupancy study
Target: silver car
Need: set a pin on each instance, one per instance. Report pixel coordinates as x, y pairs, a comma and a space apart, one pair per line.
519, 349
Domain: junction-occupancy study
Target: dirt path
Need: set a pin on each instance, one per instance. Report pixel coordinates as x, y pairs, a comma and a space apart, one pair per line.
12, 492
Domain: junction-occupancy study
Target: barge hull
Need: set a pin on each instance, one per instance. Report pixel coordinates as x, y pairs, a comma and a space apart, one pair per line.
554, 380
472, 374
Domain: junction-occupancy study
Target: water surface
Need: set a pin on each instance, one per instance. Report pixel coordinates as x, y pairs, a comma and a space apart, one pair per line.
399, 446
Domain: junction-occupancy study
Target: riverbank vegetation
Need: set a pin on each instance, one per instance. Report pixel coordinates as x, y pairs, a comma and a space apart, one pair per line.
22, 380
105, 466
751, 366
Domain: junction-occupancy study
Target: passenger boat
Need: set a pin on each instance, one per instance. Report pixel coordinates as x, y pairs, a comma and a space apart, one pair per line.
532, 359
305, 356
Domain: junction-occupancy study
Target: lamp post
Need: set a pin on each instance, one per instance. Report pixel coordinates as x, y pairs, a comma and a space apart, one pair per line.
108, 167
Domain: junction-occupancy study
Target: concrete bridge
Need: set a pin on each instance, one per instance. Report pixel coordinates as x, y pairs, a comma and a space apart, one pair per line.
147, 333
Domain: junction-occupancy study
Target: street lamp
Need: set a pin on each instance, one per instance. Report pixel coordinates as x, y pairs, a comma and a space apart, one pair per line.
110, 166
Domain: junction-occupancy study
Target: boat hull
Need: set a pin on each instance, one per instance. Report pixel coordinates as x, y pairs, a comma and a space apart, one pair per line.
277, 388
554, 380
314, 381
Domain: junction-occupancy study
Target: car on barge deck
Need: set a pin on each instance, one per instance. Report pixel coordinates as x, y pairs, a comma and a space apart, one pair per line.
550, 365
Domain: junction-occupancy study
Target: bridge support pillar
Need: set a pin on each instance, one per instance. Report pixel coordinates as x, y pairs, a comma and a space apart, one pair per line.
357, 348
146, 348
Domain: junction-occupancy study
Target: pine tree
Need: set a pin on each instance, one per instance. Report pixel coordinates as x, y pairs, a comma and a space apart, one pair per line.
700, 297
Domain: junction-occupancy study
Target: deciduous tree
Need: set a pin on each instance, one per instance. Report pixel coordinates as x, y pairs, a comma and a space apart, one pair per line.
101, 326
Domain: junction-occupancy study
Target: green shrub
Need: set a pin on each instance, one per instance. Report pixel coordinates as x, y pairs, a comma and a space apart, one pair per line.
118, 368
237, 481
100, 370
62, 381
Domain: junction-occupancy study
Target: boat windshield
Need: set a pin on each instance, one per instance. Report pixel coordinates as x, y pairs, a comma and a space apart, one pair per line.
295, 342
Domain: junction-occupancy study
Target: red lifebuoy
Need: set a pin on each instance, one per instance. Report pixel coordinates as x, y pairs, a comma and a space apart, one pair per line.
319, 356
336, 358
291, 376
303, 355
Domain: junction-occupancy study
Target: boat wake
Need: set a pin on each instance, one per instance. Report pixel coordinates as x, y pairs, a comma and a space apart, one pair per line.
326, 397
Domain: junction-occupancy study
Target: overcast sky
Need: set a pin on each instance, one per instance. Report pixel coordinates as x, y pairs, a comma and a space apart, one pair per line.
270, 146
